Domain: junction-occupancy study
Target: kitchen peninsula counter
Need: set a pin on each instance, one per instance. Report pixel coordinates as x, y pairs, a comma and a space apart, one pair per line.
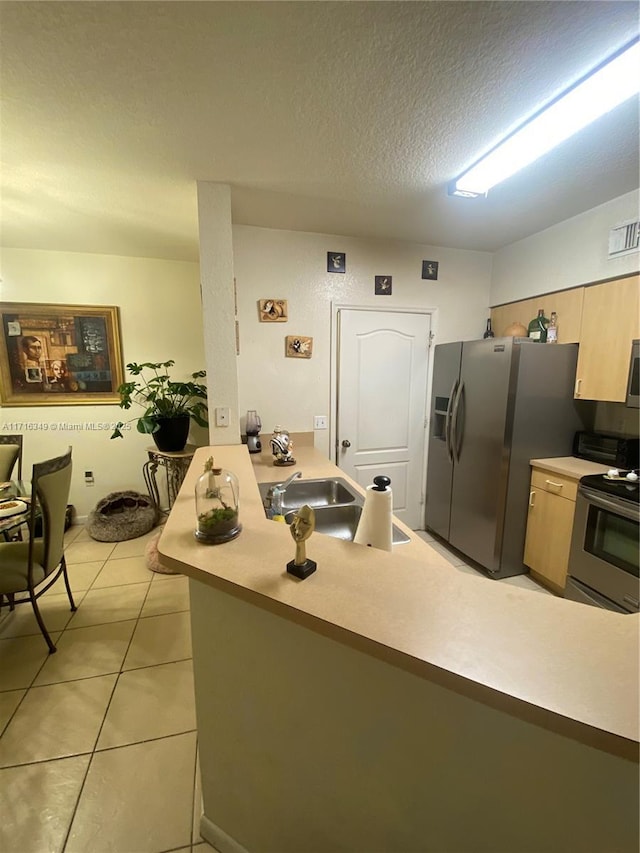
395, 666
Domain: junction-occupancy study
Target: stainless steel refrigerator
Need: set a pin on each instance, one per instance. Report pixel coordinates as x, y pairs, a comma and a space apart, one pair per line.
496, 404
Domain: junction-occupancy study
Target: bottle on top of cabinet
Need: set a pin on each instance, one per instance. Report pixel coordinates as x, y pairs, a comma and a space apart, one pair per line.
537, 329
488, 331
552, 331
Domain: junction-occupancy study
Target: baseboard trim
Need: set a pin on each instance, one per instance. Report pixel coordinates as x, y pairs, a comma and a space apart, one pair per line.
218, 838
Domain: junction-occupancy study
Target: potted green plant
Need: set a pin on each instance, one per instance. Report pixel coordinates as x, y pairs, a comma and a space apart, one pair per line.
169, 406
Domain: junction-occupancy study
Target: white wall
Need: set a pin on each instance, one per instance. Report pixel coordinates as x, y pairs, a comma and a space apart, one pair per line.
569, 254
292, 265
218, 307
161, 318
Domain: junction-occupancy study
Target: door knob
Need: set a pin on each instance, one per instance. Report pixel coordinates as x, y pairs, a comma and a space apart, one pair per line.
346, 443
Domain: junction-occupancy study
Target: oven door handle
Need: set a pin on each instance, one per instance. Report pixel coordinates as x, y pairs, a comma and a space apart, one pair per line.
577, 591
616, 507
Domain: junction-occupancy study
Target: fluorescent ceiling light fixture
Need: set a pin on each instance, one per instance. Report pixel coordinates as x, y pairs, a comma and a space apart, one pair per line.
613, 82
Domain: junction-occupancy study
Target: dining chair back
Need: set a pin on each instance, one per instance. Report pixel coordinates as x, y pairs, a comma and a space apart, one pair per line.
29, 569
10, 452
50, 485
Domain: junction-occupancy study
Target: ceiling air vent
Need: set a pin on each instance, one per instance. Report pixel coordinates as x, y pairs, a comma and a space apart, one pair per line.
624, 238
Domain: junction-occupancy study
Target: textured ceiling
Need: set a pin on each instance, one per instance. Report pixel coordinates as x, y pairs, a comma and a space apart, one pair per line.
342, 117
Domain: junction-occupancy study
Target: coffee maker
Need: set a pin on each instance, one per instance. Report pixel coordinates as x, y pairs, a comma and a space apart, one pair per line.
253, 427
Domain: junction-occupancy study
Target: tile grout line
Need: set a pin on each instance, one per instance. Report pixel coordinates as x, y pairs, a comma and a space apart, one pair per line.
92, 755
31, 685
93, 752
79, 596
91, 588
15, 710
95, 748
46, 761
124, 657
38, 633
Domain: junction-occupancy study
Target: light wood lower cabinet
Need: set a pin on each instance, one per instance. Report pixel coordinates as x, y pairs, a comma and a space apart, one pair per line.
552, 502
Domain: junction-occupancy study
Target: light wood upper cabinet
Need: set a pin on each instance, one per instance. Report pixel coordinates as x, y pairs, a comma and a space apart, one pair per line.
566, 303
610, 321
602, 318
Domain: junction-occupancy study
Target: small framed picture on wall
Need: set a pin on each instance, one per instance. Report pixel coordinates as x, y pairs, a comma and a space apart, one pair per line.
383, 285
430, 270
336, 262
298, 346
273, 310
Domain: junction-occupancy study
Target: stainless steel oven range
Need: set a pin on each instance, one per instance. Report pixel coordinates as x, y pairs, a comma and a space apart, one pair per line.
605, 548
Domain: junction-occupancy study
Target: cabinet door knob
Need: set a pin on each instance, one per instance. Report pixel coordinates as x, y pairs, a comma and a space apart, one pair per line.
346, 443
532, 495
576, 393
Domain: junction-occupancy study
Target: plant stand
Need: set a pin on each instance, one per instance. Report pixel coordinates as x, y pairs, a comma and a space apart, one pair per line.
175, 466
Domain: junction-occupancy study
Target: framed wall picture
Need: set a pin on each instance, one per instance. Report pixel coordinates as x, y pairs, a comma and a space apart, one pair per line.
298, 346
383, 285
430, 270
273, 310
336, 262
59, 355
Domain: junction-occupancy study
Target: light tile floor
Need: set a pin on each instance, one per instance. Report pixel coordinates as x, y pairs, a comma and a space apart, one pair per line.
98, 741
458, 562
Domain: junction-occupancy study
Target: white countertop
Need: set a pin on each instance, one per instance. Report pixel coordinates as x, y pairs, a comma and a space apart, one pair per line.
561, 664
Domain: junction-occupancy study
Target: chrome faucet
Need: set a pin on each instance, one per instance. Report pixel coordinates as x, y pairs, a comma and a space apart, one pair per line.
279, 490
289, 480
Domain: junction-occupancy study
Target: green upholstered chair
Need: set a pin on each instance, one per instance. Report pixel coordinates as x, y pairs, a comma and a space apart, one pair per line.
10, 452
28, 569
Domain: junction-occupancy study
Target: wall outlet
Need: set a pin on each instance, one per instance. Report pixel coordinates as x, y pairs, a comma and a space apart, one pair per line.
89, 478
222, 416
320, 422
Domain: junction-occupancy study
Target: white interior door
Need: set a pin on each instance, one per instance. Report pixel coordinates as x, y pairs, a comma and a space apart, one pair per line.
383, 360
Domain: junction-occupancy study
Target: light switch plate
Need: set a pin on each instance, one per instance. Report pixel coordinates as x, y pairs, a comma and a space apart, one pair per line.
320, 422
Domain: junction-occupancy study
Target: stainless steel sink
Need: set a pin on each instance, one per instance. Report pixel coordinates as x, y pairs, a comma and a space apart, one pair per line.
336, 504
314, 493
342, 522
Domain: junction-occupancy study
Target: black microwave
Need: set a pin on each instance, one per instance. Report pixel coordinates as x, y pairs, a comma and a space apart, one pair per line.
607, 448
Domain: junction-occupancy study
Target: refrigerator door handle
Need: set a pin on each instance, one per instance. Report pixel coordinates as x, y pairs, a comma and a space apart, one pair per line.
447, 423
455, 442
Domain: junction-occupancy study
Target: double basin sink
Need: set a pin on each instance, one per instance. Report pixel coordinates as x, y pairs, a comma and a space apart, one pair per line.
336, 505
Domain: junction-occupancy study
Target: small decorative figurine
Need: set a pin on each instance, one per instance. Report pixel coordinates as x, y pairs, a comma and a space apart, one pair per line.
281, 447
302, 526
